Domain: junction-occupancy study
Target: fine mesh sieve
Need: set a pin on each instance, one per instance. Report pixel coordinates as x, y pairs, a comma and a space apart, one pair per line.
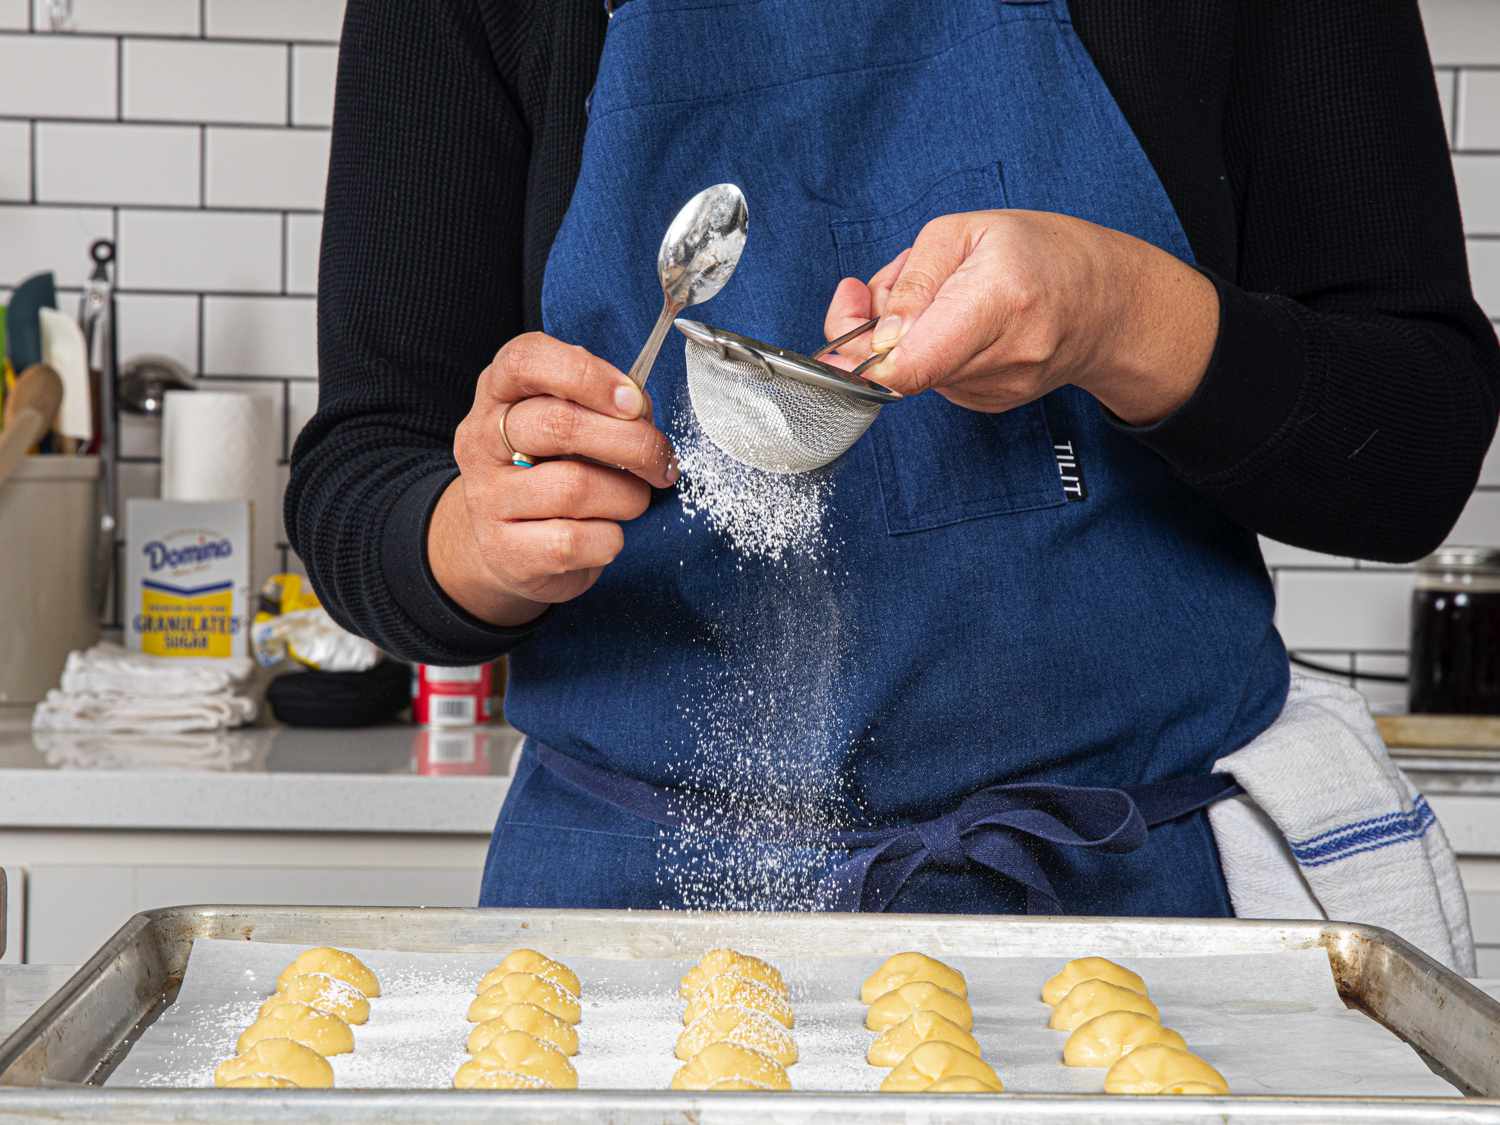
773, 409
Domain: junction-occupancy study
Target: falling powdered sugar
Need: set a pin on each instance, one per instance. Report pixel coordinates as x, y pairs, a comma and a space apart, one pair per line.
760, 789
766, 515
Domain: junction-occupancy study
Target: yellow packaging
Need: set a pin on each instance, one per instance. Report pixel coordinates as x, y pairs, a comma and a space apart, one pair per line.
187, 578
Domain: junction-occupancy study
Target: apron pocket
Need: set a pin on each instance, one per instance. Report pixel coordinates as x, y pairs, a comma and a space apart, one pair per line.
940, 464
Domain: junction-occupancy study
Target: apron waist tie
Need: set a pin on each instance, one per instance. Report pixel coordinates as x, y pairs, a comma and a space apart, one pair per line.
1004, 828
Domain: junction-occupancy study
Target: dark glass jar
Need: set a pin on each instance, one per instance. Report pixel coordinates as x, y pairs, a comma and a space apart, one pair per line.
1455, 633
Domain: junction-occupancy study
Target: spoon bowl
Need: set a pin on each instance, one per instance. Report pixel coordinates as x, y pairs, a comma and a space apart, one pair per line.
703, 245
698, 256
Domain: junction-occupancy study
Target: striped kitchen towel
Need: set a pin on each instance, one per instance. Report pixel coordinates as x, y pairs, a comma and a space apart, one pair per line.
1331, 828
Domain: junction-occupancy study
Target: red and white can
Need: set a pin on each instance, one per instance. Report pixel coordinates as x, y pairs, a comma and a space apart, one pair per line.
452, 697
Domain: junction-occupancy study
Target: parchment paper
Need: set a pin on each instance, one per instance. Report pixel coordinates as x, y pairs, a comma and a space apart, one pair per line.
1271, 1023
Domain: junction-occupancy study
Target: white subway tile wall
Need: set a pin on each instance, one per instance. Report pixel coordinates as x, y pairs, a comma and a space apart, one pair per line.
84, 162
195, 132
15, 161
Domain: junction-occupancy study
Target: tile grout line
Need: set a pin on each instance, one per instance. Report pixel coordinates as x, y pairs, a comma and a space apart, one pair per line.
249, 41
1459, 97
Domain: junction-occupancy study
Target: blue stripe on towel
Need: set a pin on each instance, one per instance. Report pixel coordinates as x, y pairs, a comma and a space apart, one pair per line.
1370, 834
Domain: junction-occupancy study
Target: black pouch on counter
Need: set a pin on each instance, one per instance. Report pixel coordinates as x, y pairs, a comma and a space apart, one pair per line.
341, 699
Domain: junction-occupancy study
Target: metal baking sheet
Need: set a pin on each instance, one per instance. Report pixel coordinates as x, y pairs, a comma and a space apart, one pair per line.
79, 1035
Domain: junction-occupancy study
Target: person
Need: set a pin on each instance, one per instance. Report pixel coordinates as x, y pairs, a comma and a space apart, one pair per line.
1152, 279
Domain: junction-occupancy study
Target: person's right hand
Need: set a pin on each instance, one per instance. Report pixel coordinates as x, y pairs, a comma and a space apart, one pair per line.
504, 542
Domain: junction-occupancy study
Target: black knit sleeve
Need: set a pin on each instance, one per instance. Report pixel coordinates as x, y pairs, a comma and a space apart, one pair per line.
420, 283
1352, 395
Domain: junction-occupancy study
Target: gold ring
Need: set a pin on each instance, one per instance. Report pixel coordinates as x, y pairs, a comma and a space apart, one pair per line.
520, 460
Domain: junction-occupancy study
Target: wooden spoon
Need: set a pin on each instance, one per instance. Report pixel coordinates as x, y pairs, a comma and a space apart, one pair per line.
19, 434
38, 388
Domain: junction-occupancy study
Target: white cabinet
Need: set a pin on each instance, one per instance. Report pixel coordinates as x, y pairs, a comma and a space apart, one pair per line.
13, 887
81, 887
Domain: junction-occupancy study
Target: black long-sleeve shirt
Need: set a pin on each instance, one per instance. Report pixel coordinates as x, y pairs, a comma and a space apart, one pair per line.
1347, 407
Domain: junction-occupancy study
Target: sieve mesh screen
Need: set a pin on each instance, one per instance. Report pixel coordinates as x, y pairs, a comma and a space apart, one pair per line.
771, 421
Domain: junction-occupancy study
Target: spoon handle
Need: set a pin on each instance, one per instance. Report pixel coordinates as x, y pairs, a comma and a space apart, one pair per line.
640, 370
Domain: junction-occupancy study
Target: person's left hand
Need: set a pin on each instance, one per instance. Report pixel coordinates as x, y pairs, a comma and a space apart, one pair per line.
993, 309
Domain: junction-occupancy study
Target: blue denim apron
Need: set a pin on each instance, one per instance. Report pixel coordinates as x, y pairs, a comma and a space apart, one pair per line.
1044, 668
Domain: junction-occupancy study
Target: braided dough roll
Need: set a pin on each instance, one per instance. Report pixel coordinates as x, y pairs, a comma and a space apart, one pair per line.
716, 962
933, 1061
325, 993
730, 991
1158, 1069
918, 996
326, 1034
895, 1043
743, 1027
1095, 997
517, 1052
726, 1062
530, 1019
334, 963
903, 968
537, 964
1077, 971
525, 988
278, 1058
1104, 1040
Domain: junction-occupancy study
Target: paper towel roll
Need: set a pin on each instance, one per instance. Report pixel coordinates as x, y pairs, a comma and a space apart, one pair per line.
224, 445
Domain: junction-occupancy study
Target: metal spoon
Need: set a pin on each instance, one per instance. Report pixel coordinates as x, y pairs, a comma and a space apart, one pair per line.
698, 255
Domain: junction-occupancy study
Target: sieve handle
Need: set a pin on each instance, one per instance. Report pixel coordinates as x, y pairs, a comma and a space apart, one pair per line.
844, 339
640, 370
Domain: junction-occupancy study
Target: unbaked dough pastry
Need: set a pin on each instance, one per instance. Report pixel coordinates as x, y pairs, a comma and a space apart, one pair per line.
326, 1034
471, 1077
918, 996
960, 1084
1090, 968
728, 1061
260, 1082
905, 967
278, 1058
744, 1027
895, 1043
525, 1054
530, 961
334, 962
1158, 1069
325, 993
1092, 998
730, 991
1103, 1040
525, 988
530, 1019
718, 961
933, 1061
738, 1084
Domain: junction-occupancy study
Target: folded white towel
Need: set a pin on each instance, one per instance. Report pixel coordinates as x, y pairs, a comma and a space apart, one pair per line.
112, 750
1331, 828
109, 667
108, 711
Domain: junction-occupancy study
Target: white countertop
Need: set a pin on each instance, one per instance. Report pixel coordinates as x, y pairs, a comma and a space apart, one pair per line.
396, 778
